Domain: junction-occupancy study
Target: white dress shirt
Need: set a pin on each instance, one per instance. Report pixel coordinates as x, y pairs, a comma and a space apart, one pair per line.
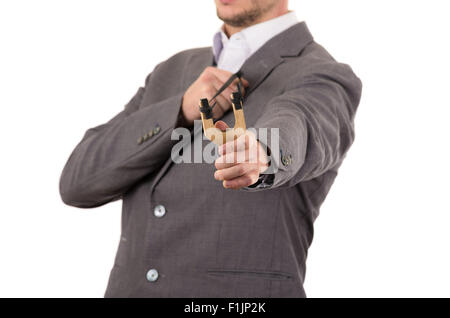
231, 53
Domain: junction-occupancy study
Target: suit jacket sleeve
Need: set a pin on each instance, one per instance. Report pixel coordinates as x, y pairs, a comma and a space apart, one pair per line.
314, 117
110, 158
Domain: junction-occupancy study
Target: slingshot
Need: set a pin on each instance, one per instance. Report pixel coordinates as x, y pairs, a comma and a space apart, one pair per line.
214, 134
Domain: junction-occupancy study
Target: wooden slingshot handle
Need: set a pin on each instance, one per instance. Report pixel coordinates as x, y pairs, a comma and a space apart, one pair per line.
216, 135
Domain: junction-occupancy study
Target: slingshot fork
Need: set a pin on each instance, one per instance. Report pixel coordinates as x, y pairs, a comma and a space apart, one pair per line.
214, 134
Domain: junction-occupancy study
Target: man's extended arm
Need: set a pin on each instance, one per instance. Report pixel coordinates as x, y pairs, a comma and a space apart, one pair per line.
315, 120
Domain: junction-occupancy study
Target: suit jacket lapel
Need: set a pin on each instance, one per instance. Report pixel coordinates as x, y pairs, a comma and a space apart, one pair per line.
288, 43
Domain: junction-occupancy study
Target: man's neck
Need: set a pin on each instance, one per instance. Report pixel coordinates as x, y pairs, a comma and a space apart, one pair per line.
230, 30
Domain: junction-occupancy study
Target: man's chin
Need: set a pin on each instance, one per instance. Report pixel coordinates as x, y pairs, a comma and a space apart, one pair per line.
227, 18
232, 17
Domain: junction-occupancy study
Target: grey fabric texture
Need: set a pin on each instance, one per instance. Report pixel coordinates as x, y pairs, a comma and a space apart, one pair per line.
216, 242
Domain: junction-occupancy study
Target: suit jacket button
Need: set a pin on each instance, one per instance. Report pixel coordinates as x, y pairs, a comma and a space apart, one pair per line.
156, 130
289, 159
152, 275
140, 140
159, 211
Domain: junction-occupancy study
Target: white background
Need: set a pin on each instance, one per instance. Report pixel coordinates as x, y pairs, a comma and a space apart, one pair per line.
66, 66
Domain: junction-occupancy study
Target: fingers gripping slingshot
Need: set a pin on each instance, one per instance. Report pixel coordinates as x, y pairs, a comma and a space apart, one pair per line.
214, 134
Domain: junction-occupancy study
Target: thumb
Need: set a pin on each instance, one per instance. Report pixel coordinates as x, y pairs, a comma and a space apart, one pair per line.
221, 125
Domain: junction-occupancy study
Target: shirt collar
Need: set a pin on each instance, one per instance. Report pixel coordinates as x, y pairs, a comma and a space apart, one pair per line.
255, 35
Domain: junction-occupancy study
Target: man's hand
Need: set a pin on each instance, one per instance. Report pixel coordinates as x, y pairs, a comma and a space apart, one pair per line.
241, 161
207, 84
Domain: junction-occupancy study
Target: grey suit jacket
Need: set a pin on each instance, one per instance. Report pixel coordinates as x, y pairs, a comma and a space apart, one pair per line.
183, 234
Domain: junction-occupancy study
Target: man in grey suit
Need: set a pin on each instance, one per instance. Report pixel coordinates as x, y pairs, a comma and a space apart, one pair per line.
228, 228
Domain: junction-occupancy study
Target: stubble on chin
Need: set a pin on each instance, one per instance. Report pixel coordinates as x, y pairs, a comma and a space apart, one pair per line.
246, 17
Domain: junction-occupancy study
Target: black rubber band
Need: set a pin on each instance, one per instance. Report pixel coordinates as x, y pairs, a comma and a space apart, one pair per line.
238, 74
